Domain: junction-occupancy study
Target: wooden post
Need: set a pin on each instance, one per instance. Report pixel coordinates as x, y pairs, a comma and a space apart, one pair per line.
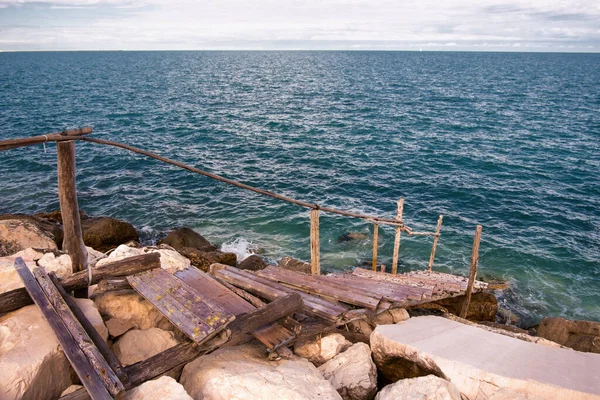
473, 272
435, 241
375, 240
315, 262
67, 195
398, 235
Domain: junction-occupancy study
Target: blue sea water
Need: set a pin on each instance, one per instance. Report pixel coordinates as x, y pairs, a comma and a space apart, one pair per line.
510, 141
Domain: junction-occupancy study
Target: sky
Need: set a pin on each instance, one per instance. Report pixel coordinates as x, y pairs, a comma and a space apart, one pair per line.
448, 25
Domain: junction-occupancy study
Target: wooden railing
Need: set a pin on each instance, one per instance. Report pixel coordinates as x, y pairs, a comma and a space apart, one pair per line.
73, 239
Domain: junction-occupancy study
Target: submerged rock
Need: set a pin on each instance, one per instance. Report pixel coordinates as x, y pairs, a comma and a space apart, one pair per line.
352, 373
349, 236
32, 364
136, 345
294, 265
428, 387
322, 349
578, 335
162, 388
243, 372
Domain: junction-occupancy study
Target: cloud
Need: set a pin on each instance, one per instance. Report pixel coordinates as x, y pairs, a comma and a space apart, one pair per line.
381, 24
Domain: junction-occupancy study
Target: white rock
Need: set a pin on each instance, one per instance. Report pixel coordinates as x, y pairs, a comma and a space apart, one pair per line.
94, 256
243, 372
479, 362
61, 265
428, 387
32, 365
28, 254
321, 350
352, 373
136, 345
170, 260
162, 388
91, 312
9, 278
128, 306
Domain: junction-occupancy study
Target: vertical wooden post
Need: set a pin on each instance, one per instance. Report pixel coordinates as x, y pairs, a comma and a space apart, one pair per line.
315, 262
67, 195
472, 273
375, 240
435, 241
398, 235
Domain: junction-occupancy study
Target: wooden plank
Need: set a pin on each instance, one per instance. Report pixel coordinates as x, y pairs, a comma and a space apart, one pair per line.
389, 292
314, 285
472, 272
397, 237
88, 376
83, 340
315, 256
435, 241
69, 209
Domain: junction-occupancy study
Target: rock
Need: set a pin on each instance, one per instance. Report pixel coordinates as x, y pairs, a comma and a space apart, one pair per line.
512, 394
19, 234
294, 265
483, 306
117, 326
32, 365
390, 316
253, 263
61, 265
170, 260
578, 335
243, 372
129, 306
49, 227
159, 389
204, 259
137, 345
105, 233
348, 236
91, 312
9, 278
186, 237
360, 326
479, 362
320, 350
352, 373
428, 387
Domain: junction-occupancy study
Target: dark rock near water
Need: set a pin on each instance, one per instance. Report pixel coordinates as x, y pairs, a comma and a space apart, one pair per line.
204, 259
349, 236
578, 335
186, 237
253, 263
105, 233
483, 306
294, 265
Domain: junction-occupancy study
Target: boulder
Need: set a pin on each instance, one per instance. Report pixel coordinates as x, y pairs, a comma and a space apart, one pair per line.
137, 345
243, 372
60, 265
117, 326
253, 263
428, 387
294, 265
105, 233
88, 307
479, 362
352, 373
204, 259
159, 389
170, 260
9, 278
129, 306
482, 307
578, 335
186, 237
322, 349
49, 227
19, 234
32, 365
390, 316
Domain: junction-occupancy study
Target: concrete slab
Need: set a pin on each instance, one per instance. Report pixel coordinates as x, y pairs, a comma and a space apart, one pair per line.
480, 362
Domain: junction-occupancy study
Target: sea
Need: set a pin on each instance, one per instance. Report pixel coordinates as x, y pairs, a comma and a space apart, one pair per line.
510, 141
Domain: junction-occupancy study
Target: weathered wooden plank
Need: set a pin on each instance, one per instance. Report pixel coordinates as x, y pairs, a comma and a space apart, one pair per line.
109, 378
98, 341
472, 271
391, 290
314, 285
17, 298
88, 376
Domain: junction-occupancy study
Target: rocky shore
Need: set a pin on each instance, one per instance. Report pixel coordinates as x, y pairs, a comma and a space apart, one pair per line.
358, 363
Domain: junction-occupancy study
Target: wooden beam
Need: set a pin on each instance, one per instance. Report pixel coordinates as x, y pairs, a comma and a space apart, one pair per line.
75, 355
473, 271
375, 240
67, 195
398, 236
315, 256
49, 137
435, 241
17, 298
